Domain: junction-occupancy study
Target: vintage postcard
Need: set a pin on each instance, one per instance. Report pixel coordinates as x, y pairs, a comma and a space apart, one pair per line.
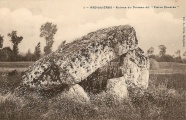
92, 59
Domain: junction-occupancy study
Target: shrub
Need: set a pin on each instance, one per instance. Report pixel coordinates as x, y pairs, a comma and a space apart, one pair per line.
13, 72
165, 58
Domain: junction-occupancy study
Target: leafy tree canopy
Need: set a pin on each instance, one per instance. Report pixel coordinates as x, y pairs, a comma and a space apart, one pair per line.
48, 30
1, 41
37, 52
15, 40
162, 50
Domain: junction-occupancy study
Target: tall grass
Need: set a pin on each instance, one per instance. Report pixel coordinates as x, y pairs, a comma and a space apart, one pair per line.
163, 100
15, 64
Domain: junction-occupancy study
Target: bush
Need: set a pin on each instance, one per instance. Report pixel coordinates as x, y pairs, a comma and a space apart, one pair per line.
165, 58
13, 72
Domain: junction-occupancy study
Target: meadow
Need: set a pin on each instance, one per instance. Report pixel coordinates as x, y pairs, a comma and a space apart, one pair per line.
163, 100
15, 64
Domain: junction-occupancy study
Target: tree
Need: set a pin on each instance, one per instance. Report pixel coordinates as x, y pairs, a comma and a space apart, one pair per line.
29, 56
15, 40
150, 51
6, 54
184, 54
178, 56
162, 50
1, 41
184, 57
178, 53
37, 51
62, 44
48, 30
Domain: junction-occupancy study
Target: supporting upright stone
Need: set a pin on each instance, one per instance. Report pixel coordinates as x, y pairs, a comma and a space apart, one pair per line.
135, 69
76, 94
117, 89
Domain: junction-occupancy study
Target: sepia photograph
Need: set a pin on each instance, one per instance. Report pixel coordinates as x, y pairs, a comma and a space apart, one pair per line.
92, 60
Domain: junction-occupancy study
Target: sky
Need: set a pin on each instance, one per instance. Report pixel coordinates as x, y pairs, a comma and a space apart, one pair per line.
154, 26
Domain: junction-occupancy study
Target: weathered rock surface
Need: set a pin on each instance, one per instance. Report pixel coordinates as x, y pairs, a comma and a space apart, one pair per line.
117, 89
77, 94
77, 60
133, 66
135, 69
135, 76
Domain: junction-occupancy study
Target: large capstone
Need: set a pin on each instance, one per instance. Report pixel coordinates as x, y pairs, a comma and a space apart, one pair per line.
90, 58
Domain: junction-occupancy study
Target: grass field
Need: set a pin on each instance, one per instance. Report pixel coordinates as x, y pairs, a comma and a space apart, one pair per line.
164, 100
173, 65
10, 66
15, 64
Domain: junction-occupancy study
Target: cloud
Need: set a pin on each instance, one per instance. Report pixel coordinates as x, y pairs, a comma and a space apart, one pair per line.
152, 28
25, 23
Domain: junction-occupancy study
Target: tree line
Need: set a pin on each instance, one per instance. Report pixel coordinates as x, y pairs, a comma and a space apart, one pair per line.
47, 31
163, 57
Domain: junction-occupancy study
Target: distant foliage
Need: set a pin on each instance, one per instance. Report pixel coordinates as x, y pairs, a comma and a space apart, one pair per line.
13, 72
62, 44
163, 57
150, 51
37, 52
29, 56
6, 54
47, 50
1, 41
15, 40
162, 50
178, 56
48, 30
184, 59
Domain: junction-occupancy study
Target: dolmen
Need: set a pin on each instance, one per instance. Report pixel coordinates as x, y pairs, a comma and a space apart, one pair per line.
75, 61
